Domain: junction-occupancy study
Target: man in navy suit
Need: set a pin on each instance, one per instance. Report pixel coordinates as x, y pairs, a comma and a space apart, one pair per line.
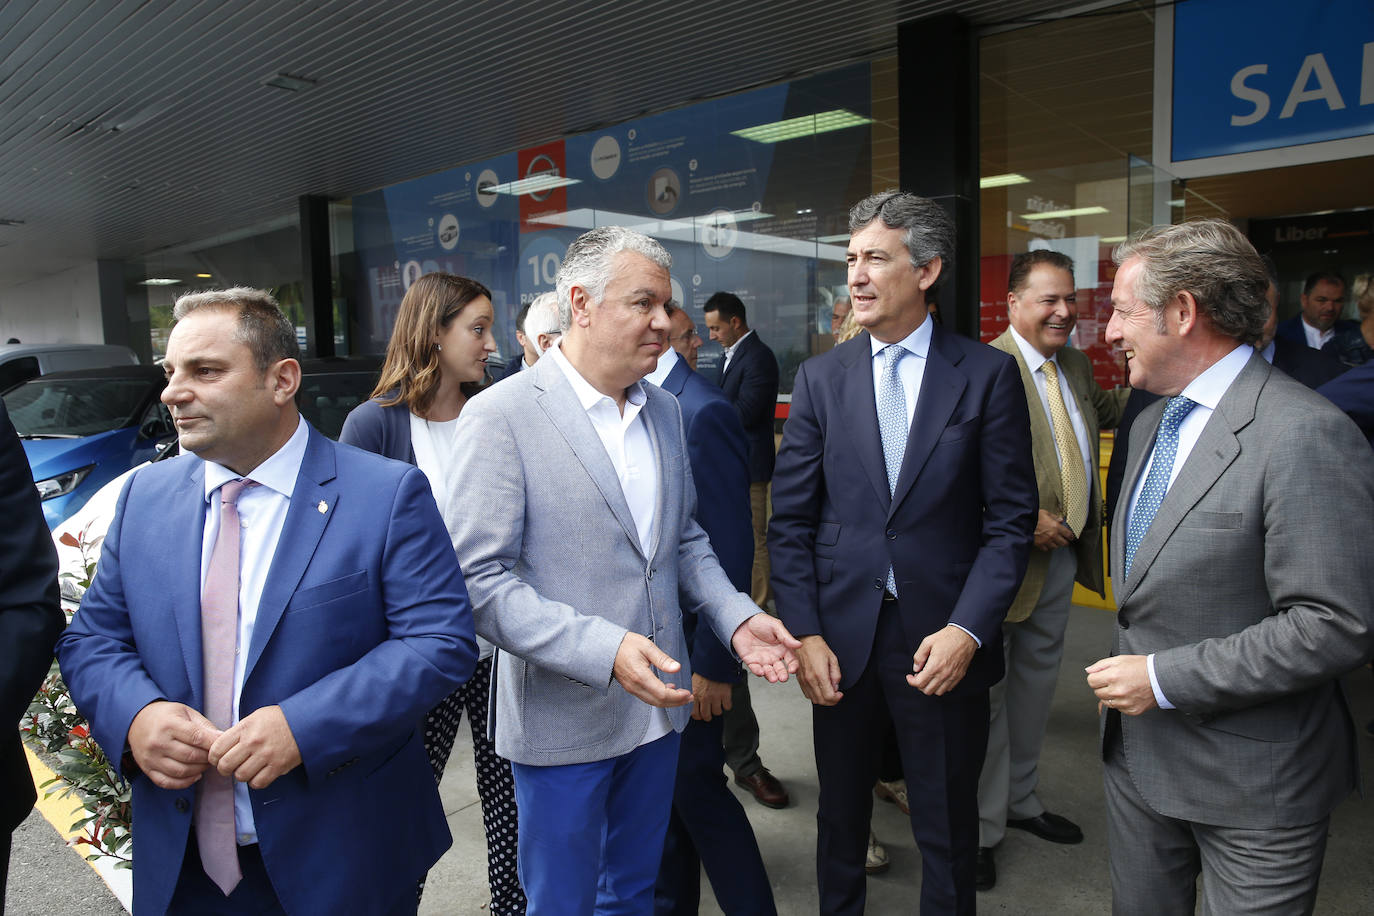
1319, 326
748, 374
708, 827
903, 507
30, 620
272, 616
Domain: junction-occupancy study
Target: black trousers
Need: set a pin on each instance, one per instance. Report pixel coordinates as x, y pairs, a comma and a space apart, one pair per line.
942, 741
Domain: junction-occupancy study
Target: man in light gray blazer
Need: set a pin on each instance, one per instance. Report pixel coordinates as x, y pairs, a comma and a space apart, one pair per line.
572, 517
1226, 735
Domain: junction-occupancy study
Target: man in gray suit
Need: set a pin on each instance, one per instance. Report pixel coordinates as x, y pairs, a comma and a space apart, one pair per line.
1226, 736
572, 517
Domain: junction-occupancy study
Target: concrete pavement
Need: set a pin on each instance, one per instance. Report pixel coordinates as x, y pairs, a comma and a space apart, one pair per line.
1034, 877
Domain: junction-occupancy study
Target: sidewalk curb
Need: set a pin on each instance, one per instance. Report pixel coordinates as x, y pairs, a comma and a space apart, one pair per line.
62, 812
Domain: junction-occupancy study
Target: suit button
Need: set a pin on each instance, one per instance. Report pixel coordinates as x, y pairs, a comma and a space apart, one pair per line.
878, 584
183, 805
651, 573
891, 535
1125, 624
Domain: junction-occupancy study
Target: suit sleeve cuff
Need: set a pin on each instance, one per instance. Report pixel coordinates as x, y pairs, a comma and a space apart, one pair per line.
970, 633
1160, 700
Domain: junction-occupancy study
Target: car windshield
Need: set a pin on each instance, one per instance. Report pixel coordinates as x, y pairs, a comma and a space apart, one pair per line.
75, 407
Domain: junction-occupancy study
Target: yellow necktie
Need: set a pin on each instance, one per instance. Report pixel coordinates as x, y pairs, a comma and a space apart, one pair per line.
1070, 457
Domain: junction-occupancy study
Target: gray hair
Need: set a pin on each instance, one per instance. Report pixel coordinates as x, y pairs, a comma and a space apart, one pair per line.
262, 326
1211, 260
929, 232
588, 263
542, 317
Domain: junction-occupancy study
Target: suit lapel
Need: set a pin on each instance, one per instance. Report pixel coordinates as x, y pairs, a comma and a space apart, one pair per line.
300, 535
560, 404
861, 413
187, 515
676, 379
1045, 458
1213, 453
941, 387
1135, 463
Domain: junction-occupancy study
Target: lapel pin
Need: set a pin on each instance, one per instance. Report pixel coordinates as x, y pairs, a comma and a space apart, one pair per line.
323, 507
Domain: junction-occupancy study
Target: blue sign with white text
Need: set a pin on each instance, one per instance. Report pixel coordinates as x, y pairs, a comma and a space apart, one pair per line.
1260, 74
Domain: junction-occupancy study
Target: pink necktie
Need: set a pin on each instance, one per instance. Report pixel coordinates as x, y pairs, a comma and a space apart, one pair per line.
219, 626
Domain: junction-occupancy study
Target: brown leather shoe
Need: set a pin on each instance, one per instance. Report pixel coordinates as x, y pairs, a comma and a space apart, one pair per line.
766, 788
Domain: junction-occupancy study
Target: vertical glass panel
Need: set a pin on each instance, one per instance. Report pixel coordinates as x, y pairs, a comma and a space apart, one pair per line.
749, 194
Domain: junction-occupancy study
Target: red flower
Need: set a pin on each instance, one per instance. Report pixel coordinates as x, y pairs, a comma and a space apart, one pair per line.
80, 731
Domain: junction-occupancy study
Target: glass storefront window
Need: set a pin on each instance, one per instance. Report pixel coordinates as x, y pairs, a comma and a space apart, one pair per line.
749, 193
264, 257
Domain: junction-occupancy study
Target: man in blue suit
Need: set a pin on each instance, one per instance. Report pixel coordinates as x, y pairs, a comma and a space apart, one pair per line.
708, 826
272, 616
904, 502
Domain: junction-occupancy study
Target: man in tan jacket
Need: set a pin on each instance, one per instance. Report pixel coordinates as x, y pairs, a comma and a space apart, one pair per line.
1067, 408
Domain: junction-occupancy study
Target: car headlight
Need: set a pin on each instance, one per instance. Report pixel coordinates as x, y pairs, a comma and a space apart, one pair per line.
63, 483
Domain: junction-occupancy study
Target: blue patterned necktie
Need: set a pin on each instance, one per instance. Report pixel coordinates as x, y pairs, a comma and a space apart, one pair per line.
1157, 481
892, 426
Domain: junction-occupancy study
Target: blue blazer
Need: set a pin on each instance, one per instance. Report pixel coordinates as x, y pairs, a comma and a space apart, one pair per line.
380, 430
1353, 393
364, 624
958, 530
751, 384
719, 457
1347, 346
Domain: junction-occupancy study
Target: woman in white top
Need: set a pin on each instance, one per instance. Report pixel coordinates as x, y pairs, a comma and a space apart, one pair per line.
435, 361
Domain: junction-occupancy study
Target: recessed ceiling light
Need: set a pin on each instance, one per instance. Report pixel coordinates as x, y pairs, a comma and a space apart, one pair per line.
203, 276
534, 184
289, 83
159, 281
819, 123
5, 221
1001, 181
1064, 214
1112, 239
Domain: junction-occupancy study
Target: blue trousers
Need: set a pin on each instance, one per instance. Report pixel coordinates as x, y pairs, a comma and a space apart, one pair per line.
591, 834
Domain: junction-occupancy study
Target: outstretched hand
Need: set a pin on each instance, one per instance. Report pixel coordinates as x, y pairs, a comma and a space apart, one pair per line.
765, 647
635, 662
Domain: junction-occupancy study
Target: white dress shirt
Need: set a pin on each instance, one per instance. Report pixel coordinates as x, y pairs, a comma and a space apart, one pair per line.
910, 371
1035, 362
1206, 391
730, 351
262, 512
626, 439
1317, 339
666, 362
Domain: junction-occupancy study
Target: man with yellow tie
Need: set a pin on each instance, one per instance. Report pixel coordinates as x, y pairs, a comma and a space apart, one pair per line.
1067, 408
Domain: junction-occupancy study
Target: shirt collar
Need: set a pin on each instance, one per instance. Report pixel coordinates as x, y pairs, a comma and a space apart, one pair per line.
587, 395
917, 342
666, 362
730, 350
1033, 357
1208, 388
277, 473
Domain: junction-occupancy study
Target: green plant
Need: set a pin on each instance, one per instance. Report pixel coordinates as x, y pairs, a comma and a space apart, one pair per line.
53, 724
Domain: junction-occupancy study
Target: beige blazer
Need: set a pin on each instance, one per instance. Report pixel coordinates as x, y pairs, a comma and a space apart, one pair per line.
1100, 410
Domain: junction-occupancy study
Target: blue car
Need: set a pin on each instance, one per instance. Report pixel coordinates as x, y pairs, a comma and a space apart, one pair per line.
82, 429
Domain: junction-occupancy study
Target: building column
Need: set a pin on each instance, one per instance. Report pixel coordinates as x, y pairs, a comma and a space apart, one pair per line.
937, 79
316, 278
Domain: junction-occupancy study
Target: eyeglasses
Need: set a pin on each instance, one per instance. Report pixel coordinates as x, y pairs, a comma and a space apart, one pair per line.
684, 337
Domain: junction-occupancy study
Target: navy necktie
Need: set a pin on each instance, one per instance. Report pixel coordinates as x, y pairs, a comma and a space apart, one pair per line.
1157, 481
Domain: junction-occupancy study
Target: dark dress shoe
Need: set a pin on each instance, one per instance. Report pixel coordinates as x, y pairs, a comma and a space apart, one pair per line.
1050, 827
985, 875
765, 787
